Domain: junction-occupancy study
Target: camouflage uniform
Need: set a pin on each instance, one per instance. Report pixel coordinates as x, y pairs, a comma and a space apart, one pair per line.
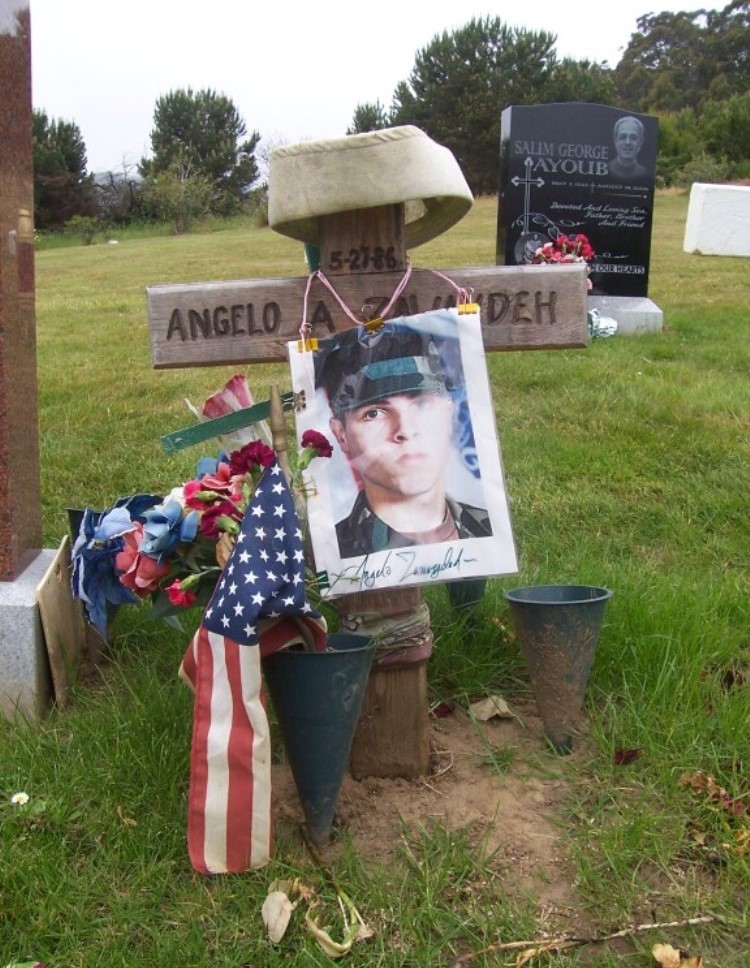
362, 532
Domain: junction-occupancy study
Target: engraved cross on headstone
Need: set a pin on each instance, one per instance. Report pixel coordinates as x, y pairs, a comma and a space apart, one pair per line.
527, 181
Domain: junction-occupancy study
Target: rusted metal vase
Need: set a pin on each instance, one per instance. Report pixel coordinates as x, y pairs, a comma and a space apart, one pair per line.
557, 627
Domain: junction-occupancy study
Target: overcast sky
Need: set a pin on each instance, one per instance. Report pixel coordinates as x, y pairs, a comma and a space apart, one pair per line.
295, 70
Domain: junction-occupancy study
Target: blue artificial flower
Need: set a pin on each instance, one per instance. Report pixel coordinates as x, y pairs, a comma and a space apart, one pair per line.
112, 524
209, 465
94, 579
164, 527
138, 504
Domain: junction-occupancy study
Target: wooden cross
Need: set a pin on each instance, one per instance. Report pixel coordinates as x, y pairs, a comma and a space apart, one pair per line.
250, 321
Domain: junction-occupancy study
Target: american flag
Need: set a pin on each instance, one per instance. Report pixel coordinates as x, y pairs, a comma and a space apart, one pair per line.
259, 606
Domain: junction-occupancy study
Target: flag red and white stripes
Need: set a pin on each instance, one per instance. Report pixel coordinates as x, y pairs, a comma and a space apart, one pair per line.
229, 826
259, 606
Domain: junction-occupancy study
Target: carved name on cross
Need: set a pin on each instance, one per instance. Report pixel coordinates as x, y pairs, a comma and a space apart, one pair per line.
251, 321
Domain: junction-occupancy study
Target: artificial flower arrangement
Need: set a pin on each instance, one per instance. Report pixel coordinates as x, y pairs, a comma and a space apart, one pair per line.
565, 249
576, 248
171, 550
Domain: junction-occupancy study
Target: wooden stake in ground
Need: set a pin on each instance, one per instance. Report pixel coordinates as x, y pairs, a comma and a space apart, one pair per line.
362, 240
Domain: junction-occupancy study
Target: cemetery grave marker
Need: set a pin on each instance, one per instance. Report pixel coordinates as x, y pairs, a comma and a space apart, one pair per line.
362, 235
24, 671
583, 168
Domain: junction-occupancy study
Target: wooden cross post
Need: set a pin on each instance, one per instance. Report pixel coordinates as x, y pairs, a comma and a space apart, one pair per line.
250, 321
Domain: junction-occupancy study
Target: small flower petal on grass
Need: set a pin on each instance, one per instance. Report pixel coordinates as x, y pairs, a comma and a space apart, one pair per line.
20, 799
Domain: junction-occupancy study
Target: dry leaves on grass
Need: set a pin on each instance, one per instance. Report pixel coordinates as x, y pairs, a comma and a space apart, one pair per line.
490, 707
668, 957
701, 782
278, 908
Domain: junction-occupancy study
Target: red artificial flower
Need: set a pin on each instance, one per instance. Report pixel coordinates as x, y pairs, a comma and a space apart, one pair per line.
565, 249
209, 526
140, 572
179, 597
318, 442
254, 454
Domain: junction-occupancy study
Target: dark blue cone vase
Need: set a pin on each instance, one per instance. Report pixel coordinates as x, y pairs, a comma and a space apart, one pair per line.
318, 697
557, 627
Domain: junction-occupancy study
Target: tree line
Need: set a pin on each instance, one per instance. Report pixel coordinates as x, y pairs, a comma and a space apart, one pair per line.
690, 69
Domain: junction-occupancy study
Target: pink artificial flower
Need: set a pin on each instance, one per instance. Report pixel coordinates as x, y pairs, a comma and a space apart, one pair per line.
140, 572
179, 597
221, 482
252, 455
235, 395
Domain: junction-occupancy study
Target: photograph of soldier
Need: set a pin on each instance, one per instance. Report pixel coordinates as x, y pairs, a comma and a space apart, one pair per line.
628, 137
392, 394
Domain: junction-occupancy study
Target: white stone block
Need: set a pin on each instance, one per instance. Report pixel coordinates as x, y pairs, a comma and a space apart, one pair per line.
25, 682
718, 220
633, 314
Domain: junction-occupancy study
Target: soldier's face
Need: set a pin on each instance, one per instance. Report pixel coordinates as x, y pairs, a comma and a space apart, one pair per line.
399, 444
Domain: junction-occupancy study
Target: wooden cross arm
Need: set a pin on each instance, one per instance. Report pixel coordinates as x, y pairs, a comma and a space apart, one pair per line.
250, 321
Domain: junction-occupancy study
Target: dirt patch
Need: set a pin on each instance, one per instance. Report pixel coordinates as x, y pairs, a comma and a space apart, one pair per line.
514, 815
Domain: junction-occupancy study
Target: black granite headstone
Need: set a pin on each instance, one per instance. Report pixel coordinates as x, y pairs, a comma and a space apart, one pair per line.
579, 168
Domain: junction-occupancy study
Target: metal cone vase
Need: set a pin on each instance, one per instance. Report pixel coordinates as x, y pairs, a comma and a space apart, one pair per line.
557, 627
317, 697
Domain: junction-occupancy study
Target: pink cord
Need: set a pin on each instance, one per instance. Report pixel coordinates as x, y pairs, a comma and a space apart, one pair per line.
305, 329
462, 295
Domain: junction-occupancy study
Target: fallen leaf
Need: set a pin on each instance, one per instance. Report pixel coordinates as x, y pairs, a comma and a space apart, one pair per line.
734, 678
332, 948
490, 706
669, 957
355, 928
666, 956
741, 844
302, 890
623, 757
125, 821
700, 837
442, 710
276, 913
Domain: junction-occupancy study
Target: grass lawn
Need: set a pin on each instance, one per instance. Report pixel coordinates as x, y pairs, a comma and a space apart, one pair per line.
626, 465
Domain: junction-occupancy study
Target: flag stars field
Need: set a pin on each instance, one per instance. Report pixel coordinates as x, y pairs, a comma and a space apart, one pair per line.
275, 591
